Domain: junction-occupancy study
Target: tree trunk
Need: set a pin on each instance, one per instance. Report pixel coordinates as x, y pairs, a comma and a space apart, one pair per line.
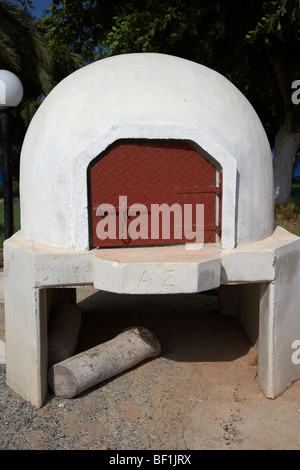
286, 145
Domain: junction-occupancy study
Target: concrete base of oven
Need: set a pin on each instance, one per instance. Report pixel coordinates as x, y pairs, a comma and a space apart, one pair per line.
257, 282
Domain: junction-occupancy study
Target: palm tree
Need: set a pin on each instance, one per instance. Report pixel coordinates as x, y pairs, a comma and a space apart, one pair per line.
23, 50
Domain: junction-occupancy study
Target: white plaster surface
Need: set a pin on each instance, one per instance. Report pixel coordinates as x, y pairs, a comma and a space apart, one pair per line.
281, 320
152, 96
2, 352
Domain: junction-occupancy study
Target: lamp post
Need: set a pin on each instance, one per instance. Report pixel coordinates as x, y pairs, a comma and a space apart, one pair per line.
11, 94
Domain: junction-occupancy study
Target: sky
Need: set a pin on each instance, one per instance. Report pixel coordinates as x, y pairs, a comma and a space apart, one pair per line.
40, 6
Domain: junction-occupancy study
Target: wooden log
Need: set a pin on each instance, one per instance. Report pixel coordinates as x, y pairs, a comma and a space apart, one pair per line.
78, 373
63, 331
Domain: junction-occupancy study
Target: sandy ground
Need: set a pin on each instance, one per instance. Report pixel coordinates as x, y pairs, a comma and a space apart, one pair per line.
201, 393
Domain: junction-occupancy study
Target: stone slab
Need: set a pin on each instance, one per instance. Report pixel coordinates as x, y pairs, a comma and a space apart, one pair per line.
162, 271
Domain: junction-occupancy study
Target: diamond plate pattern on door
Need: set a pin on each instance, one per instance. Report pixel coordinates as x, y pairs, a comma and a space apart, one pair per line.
152, 172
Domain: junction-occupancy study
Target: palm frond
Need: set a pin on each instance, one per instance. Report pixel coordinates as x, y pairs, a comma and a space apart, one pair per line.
9, 57
25, 49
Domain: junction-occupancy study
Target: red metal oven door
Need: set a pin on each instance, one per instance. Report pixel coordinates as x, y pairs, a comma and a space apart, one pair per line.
139, 192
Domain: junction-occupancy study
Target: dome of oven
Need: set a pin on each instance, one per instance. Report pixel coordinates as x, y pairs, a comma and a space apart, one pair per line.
139, 96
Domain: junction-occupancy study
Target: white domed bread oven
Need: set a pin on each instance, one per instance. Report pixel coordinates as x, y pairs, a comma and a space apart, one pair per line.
110, 147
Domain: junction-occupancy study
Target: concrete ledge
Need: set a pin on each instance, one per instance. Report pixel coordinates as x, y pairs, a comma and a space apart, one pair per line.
169, 269
144, 275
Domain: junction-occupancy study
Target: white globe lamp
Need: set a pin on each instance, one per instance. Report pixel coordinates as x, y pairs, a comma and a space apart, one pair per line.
11, 94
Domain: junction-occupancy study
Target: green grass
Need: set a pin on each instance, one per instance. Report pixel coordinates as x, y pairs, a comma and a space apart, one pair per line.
288, 215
